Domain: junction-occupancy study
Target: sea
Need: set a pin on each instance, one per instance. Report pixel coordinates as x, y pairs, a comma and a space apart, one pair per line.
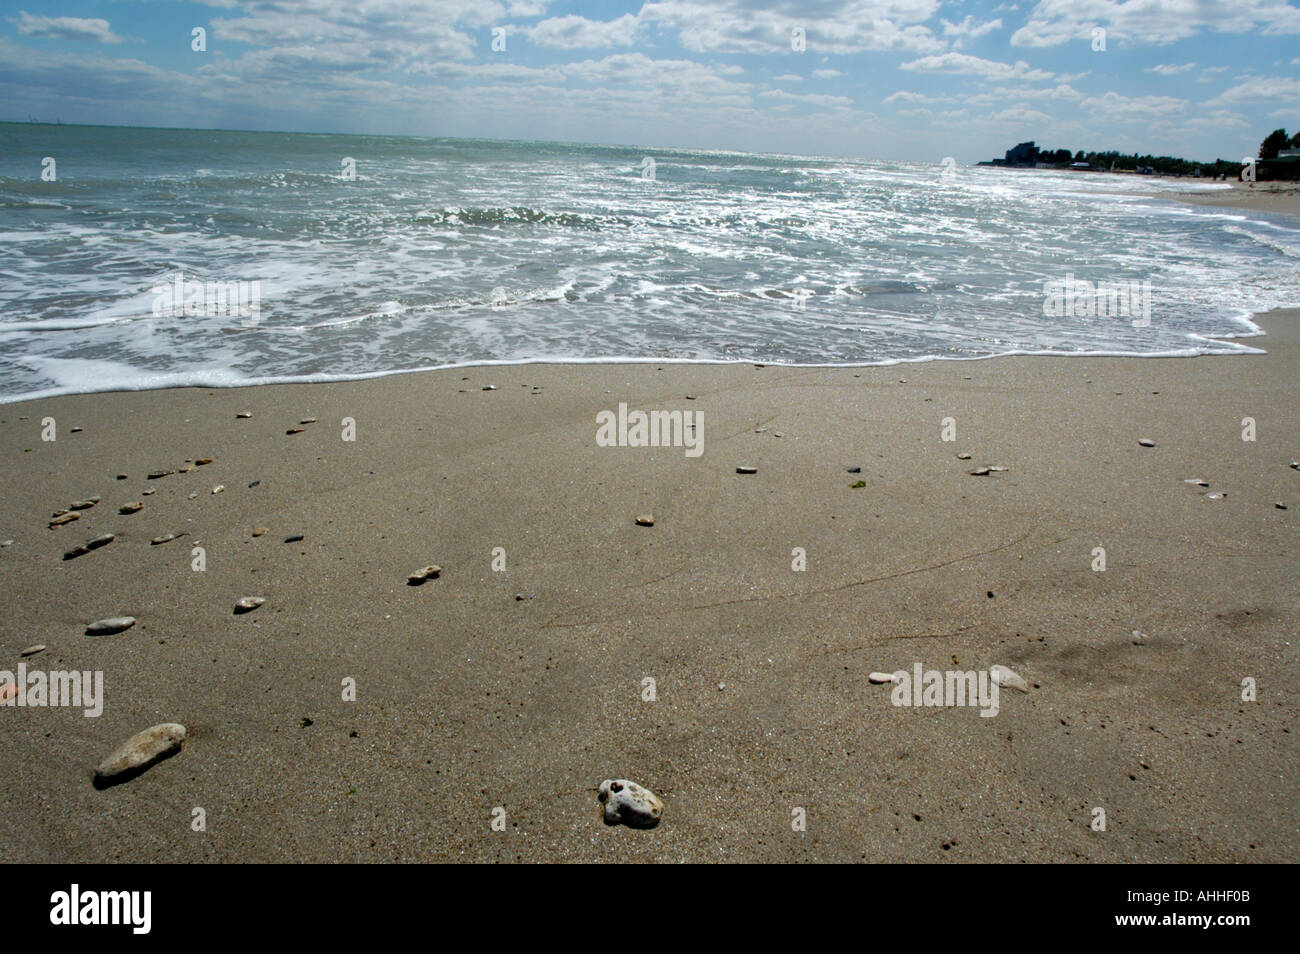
136, 258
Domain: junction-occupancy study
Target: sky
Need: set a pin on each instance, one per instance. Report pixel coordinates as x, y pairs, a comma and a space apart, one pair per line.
888, 79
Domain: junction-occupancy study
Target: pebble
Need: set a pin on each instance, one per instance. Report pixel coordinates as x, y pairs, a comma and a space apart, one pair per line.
203, 460
1147, 442
89, 545
427, 573
995, 469
1005, 677
981, 471
1139, 637
1216, 495
75, 430
165, 538
147, 492
645, 520
139, 752
1280, 505
963, 456
254, 484
107, 627
184, 470
854, 470
258, 531
65, 518
878, 678
777, 434
83, 504
154, 474
6, 543
1197, 481
219, 488
747, 470
628, 803
248, 603
489, 387
244, 414
33, 650
296, 538
308, 420
524, 596
294, 430
121, 476
193, 495
134, 507
1295, 465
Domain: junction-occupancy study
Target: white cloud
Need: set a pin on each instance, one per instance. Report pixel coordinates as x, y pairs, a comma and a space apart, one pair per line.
1167, 69
64, 28
1118, 108
764, 26
815, 99
905, 96
963, 64
572, 32
1158, 22
1279, 90
969, 28
826, 74
787, 78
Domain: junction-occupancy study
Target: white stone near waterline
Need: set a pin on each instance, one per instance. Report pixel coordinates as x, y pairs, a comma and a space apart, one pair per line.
1005, 677
627, 803
248, 603
109, 626
880, 678
141, 751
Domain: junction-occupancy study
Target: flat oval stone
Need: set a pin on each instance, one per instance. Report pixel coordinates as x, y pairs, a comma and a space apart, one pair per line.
140, 752
165, 538
258, 531
203, 460
220, 488
627, 803
427, 573
746, 470
294, 430
109, 626
134, 507
878, 678
64, 518
1147, 442
83, 504
248, 603
244, 414
645, 520
33, 650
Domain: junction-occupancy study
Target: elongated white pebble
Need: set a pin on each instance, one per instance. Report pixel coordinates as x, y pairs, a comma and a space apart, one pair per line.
1005, 677
109, 626
139, 752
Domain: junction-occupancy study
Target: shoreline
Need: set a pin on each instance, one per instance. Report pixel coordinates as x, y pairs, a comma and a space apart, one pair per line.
469, 698
1282, 198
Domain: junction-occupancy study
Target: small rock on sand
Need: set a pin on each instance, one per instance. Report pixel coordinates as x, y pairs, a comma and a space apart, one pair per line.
220, 488
627, 803
203, 460
83, 504
165, 538
109, 626
1147, 442
134, 507
879, 678
294, 430
248, 603
645, 520
746, 470
33, 650
1005, 677
296, 538
257, 532
156, 474
95, 544
981, 471
854, 470
244, 414
64, 518
430, 572
963, 456
140, 752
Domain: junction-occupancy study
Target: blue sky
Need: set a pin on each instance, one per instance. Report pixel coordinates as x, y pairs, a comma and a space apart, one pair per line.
897, 79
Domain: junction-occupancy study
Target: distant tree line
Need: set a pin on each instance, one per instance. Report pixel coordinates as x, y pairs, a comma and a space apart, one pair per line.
1275, 142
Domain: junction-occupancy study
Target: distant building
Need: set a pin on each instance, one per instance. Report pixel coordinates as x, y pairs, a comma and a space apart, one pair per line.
1024, 154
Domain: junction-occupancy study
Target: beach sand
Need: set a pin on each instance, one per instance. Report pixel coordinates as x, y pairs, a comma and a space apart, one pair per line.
469, 699
1283, 197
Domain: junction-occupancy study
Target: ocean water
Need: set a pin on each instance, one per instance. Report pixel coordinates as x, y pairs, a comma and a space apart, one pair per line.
442, 252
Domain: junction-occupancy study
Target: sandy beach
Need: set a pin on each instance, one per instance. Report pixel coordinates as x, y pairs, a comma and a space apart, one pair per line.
1283, 197
470, 698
